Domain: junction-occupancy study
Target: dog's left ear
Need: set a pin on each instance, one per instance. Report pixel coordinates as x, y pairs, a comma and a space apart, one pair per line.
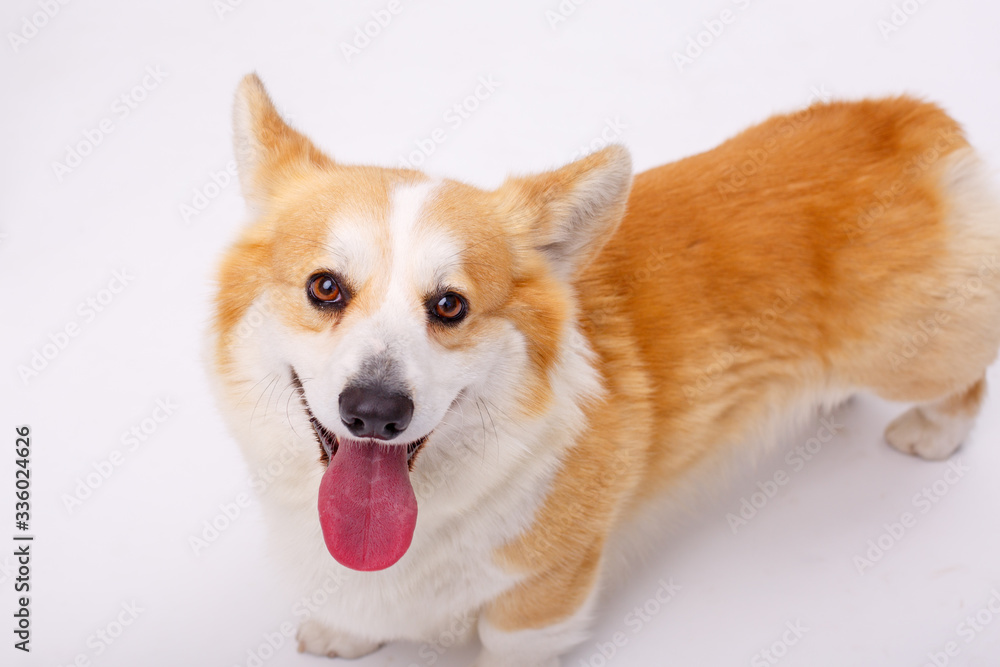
267, 150
570, 213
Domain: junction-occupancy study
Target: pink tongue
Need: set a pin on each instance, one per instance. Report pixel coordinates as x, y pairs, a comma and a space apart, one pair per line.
367, 508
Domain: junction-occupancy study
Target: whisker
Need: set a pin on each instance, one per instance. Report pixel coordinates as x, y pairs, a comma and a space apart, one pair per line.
267, 405
288, 417
252, 388
254, 411
484, 429
288, 402
505, 415
496, 437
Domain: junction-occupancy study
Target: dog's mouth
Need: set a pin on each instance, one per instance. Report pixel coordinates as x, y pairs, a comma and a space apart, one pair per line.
367, 507
328, 442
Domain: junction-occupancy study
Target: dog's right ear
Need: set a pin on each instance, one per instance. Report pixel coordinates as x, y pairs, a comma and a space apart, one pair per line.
267, 150
569, 214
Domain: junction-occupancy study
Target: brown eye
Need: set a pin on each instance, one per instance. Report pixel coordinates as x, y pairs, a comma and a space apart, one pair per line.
324, 289
449, 307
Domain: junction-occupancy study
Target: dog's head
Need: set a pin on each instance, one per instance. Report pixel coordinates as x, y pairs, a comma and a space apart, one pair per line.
394, 299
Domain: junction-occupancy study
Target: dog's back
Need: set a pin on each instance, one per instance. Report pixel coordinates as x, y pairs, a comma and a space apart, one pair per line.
850, 246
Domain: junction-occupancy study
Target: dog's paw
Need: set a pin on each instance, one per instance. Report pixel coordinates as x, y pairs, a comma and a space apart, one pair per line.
318, 639
915, 433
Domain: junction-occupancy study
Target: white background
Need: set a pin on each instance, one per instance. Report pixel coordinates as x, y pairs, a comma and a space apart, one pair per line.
559, 84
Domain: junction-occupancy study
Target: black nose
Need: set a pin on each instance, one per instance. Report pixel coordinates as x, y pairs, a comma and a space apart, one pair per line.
372, 412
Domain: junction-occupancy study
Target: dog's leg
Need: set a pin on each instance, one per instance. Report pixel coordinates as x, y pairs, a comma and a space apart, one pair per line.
539, 620
531, 647
935, 430
319, 639
945, 328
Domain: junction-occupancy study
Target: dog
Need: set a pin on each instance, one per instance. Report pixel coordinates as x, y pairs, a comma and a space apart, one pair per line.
455, 401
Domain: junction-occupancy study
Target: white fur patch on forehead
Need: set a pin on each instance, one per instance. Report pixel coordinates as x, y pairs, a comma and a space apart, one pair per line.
424, 255
356, 246
355, 249
408, 249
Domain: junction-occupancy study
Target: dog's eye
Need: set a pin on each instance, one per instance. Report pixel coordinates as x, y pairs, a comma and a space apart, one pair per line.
325, 290
449, 307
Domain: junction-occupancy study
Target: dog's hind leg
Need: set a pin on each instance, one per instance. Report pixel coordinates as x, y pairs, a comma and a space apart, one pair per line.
935, 430
949, 327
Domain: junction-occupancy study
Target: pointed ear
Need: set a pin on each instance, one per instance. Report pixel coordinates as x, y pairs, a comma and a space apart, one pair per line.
570, 213
267, 150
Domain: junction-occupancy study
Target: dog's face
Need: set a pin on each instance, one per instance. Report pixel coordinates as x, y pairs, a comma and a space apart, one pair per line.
384, 319
395, 300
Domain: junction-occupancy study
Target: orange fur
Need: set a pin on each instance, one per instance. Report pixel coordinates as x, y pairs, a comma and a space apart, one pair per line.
712, 307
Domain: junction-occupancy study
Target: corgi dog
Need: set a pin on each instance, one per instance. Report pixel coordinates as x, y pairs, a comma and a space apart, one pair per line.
456, 401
